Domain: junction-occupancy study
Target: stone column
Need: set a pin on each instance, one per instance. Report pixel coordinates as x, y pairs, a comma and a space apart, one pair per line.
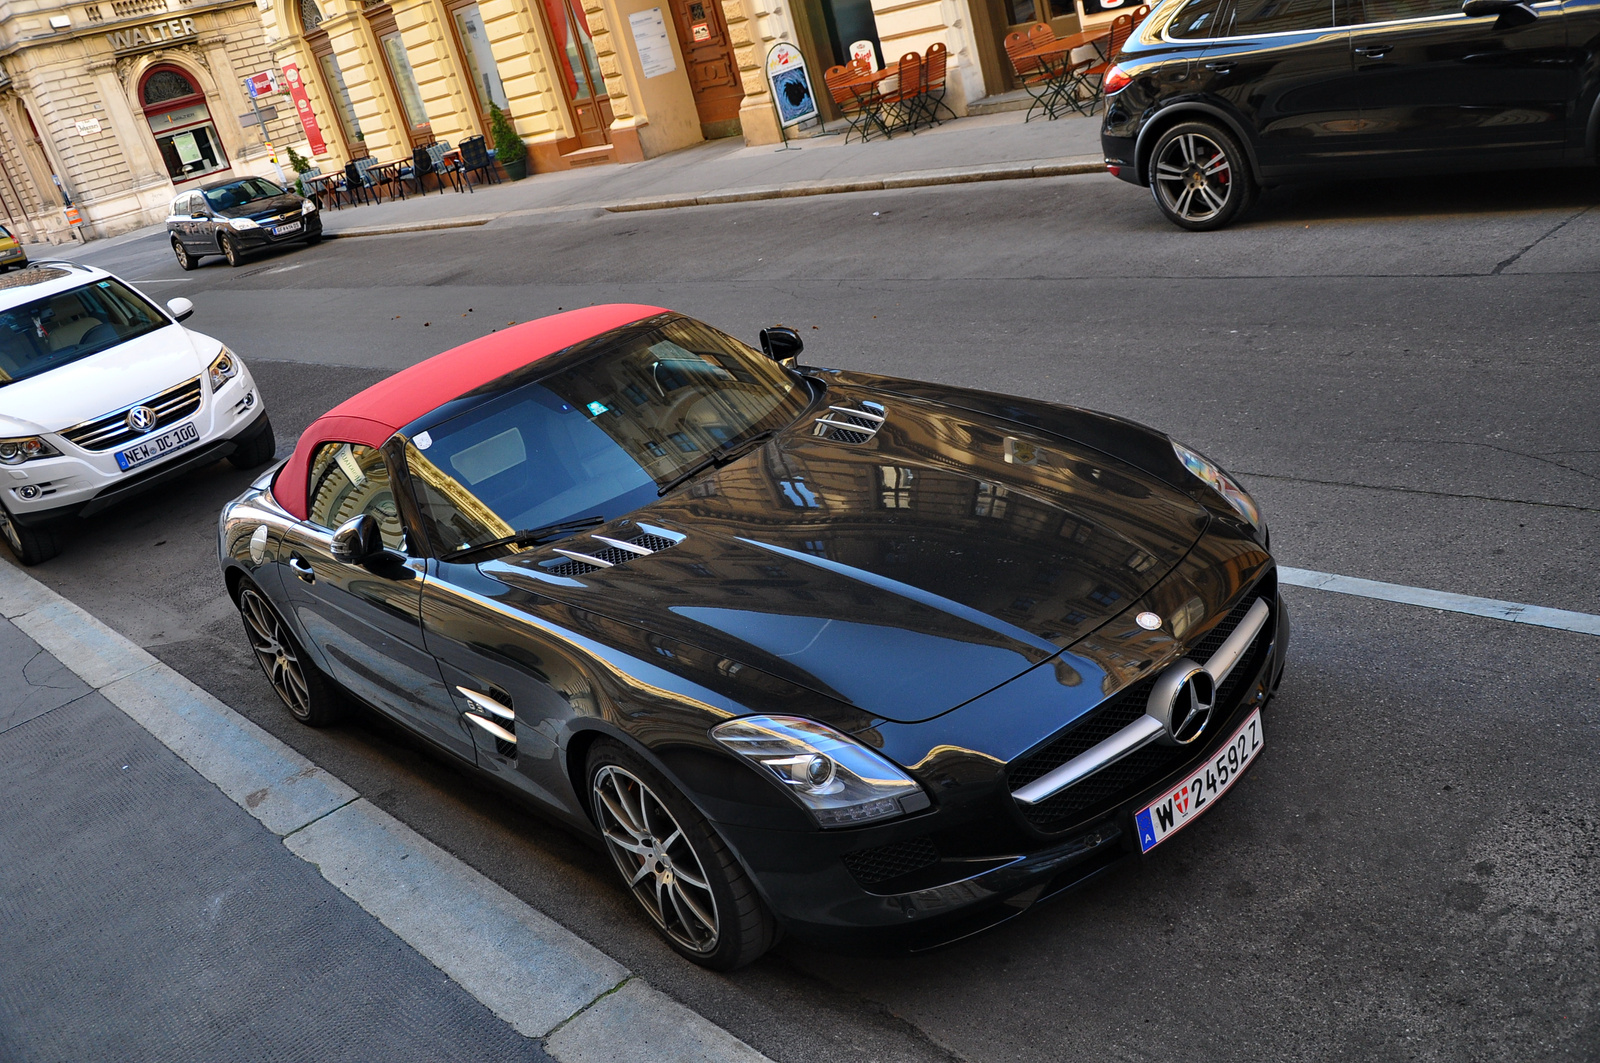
757, 117
129, 129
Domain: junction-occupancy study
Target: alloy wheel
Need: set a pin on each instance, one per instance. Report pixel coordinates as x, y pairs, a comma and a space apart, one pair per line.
275, 652
230, 250
655, 859
10, 532
1194, 177
185, 262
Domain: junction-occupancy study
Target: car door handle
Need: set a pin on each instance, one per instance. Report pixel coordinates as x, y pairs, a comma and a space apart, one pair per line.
302, 568
1373, 51
1220, 67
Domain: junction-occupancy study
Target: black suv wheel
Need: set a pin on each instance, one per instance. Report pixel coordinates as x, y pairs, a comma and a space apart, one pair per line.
1200, 177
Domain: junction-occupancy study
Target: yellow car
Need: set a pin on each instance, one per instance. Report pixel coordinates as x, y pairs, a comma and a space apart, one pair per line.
11, 253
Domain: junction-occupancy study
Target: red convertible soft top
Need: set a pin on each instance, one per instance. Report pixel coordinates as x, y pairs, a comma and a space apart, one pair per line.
370, 417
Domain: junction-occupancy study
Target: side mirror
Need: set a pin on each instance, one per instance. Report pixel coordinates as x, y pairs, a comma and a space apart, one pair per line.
180, 308
1511, 13
200, 215
358, 540
782, 344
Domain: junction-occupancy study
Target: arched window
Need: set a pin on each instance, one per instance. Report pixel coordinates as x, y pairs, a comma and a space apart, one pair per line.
310, 17
164, 84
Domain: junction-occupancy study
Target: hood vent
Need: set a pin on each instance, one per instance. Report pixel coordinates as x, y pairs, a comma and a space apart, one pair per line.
846, 424
594, 552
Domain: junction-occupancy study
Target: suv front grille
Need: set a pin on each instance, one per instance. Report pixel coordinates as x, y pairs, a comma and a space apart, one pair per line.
1123, 778
112, 430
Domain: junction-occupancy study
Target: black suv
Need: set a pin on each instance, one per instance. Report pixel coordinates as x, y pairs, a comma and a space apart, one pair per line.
1210, 99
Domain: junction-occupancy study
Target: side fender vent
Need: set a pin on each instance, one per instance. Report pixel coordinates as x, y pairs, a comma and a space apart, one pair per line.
595, 552
850, 424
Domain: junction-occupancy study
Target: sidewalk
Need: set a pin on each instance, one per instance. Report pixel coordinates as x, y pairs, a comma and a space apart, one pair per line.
175, 884
988, 147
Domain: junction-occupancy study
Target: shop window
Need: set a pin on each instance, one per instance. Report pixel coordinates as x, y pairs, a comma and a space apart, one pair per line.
480, 60
344, 108
181, 123
405, 82
310, 17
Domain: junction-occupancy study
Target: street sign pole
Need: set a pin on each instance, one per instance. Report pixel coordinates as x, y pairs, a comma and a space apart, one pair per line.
272, 153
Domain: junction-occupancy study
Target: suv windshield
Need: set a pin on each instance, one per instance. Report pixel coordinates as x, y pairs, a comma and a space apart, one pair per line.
598, 438
237, 194
42, 335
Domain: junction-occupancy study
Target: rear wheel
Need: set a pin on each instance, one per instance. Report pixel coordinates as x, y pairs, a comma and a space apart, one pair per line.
1200, 177
31, 545
311, 699
672, 861
231, 251
186, 261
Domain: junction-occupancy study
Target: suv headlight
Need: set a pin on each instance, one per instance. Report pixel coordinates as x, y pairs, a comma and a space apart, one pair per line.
17, 451
1209, 471
224, 367
840, 781
242, 223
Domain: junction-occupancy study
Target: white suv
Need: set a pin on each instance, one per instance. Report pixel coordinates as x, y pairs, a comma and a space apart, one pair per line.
103, 394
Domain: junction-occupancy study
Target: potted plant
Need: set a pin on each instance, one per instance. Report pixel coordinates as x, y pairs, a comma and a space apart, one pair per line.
509, 150
300, 164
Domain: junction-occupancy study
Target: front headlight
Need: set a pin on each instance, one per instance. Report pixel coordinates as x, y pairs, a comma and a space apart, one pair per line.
242, 223
224, 367
307, 207
17, 451
839, 780
1220, 482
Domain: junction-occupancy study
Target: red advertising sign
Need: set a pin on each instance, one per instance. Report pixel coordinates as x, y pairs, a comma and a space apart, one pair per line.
302, 107
262, 84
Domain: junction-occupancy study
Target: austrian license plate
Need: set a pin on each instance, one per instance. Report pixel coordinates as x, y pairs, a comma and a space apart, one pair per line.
156, 446
285, 230
1176, 808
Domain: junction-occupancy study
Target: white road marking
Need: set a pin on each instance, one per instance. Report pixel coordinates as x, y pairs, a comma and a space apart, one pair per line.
284, 269
159, 280
1494, 608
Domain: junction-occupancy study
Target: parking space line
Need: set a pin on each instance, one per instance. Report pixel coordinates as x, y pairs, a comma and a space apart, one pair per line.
1494, 608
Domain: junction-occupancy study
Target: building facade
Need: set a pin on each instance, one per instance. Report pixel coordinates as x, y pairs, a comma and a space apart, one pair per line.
108, 108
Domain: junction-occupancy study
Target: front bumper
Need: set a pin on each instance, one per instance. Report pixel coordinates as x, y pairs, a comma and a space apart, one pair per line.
817, 898
253, 239
83, 482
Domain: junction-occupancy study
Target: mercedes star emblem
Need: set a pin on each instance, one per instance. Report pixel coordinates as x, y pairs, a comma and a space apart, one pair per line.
141, 418
1148, 620
1182, 702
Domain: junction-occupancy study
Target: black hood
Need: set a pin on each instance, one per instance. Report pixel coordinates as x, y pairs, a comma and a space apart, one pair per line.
903, 573
260, 209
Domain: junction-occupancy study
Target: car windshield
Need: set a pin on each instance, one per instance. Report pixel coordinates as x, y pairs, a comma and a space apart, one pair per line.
51, 332
601, 437
237, 193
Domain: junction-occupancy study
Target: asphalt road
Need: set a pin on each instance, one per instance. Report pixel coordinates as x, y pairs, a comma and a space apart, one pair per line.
1403, 373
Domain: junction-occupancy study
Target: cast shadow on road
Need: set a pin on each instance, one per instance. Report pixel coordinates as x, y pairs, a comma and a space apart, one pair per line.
1433, 196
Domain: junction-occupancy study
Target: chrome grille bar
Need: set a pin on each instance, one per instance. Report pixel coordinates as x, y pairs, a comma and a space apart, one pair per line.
108, 430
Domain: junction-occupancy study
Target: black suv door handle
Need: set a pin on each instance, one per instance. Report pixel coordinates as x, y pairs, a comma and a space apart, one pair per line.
1373, 51
1221, 66
302, 569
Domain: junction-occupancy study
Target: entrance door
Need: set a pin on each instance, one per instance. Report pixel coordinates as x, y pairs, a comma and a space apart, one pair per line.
579, 70
713, 71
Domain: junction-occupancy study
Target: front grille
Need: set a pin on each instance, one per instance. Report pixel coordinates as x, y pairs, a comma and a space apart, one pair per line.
1120, 780
112, 430
871, 866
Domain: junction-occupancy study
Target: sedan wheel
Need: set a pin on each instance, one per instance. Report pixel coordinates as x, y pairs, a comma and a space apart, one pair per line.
675, 865
186, 261
309, 697
1199, 177
230, 250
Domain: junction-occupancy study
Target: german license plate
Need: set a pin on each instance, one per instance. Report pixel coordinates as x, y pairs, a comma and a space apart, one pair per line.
285, 230
156, 446
1176, 808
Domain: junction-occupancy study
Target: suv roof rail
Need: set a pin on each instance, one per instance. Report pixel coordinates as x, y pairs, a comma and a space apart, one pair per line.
59, 262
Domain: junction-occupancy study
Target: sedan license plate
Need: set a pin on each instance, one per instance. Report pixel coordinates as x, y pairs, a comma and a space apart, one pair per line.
285, 230
156, 446
1174, 810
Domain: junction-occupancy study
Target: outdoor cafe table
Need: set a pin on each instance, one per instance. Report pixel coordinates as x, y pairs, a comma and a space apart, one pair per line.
388, 173
316, 184
1056, 51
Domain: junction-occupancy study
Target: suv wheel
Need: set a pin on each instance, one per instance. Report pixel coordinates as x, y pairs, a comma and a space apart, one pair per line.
257, 450
186, 261
31, 545
1200, 177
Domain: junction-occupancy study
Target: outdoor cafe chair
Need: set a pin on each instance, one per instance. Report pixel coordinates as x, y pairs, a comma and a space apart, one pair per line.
355, 185
437, 152
902, 99
365, 180
934, 71
860, 106
475, 159
1035, 74
1093, 74
421, 166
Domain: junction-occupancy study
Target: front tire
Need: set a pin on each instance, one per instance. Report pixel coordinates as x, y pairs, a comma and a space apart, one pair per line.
231, 251
186, 261
673, 862
310, 698
1200, 177
257, 450
30, 545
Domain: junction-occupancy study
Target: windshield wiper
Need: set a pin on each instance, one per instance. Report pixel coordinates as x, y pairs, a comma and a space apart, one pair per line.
529, 537
719, 457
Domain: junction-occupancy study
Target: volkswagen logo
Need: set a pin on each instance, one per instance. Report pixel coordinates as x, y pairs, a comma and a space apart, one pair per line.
141, 418
1182, 701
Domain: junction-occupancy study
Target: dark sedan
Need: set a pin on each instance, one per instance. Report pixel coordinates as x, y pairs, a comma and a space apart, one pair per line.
234, 217
854, 657
1210, 99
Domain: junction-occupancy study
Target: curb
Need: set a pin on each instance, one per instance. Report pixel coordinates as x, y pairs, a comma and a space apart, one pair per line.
914, 179
412, 227
579, 1002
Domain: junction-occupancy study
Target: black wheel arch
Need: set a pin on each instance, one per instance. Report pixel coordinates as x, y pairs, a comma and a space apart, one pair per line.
1186, 111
